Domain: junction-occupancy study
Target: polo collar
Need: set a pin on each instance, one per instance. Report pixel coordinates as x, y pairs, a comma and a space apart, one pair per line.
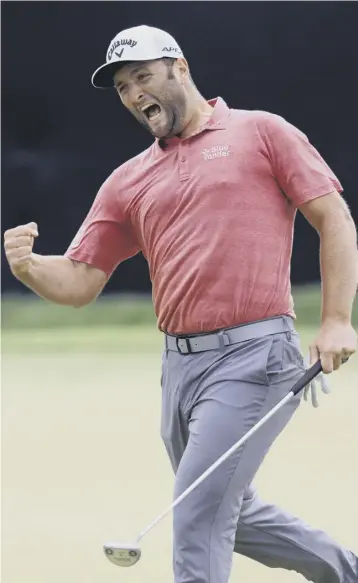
217, 121
220, 115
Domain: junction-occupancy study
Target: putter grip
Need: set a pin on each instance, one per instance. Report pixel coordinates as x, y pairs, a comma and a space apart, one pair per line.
309, 375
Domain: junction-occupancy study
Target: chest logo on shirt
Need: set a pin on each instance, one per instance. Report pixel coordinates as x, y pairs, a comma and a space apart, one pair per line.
221, 151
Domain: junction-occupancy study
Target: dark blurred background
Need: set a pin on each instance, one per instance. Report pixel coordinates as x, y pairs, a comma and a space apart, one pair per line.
61, 138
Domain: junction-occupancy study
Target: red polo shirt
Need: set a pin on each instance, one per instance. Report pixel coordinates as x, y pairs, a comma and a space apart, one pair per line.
213, 214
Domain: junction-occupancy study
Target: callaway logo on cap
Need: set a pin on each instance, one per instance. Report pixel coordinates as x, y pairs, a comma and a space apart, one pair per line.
141, 43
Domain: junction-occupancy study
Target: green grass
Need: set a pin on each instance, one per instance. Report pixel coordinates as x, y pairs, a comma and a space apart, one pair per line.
114, 324
127, 339
83, 461
28, 312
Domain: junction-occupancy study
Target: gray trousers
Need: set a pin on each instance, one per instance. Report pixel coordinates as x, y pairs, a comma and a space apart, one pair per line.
210, 400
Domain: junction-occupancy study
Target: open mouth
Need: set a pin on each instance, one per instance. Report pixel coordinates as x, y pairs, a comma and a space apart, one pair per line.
151, 111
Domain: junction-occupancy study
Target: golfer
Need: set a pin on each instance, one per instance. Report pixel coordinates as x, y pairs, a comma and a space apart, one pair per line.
211, 204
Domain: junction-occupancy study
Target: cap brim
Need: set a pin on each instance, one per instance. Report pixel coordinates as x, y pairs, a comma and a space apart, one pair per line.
102, 78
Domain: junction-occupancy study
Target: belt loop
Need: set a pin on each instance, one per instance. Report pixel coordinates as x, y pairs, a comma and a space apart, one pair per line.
222, 344
288, 332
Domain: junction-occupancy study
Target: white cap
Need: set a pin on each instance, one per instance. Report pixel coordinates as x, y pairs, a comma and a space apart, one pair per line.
141, 43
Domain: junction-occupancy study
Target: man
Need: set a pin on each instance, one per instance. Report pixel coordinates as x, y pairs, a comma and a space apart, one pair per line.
211, 205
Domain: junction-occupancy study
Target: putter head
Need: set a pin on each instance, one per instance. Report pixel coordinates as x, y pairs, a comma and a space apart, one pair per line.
122, 554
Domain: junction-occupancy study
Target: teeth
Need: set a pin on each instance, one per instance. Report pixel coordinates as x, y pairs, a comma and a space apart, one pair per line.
144, 107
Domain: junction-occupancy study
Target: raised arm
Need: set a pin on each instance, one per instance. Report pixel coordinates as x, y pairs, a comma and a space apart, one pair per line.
58, 279
104, 240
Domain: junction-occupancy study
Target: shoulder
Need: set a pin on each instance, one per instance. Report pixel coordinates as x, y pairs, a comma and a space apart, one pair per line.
268, 127
256, 118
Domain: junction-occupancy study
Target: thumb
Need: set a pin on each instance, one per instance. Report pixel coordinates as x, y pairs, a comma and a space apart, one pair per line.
33, 229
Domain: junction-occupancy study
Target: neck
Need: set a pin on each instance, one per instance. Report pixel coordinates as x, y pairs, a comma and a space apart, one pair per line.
199, 114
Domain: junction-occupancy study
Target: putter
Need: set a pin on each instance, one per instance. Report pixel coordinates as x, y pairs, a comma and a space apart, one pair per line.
128, 554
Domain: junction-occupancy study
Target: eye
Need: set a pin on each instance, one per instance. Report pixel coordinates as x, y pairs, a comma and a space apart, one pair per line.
121, 88
143, 76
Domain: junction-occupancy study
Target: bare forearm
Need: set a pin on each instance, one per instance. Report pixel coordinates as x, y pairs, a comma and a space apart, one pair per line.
339, 267
57, 279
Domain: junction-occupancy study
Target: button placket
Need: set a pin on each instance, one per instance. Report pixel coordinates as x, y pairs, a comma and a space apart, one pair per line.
183, 163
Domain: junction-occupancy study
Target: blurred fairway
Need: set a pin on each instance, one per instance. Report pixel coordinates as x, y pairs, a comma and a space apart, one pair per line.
83, 462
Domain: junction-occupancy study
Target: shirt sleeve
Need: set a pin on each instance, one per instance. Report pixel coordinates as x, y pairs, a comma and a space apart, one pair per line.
105, 238
297, 166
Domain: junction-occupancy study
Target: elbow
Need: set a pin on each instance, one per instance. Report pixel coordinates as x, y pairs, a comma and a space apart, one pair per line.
352, 230
84, 300
349, 223
80, 303
86, 289
339, 223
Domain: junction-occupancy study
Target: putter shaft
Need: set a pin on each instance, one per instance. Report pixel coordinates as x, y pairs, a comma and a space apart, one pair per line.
309, 375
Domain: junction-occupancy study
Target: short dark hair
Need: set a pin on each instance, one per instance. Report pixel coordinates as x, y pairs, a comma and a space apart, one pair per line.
169, 61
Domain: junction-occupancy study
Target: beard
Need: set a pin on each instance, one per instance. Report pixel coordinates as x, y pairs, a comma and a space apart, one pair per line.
171, 120
166, 125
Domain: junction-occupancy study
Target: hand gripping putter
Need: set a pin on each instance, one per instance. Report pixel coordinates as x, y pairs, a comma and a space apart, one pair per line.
128, 554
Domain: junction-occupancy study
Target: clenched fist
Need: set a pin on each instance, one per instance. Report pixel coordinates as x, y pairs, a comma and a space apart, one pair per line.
18, 244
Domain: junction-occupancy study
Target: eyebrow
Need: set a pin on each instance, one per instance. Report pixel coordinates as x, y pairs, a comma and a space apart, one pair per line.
138, 69
133, 72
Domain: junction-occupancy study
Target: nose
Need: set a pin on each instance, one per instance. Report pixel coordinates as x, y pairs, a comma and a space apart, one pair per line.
136, 95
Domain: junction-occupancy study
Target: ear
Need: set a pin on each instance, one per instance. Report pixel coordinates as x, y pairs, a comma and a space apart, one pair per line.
183, 68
